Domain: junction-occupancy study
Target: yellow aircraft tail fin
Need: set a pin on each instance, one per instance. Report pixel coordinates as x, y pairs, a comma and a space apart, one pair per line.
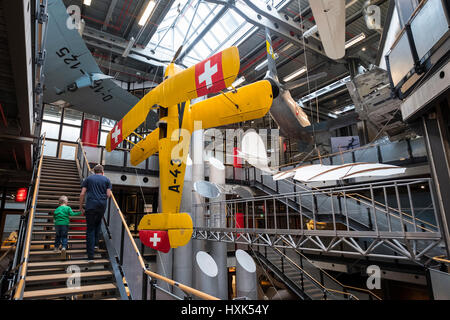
162, 231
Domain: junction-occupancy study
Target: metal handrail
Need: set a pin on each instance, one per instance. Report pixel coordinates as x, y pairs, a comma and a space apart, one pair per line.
150, 273
339, 190
350, 295
23, 271
438, 258
336, 280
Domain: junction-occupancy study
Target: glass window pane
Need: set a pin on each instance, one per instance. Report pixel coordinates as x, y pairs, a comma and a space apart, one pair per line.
108, 124
68, 152
51, 130
50, 148
52, 113
103, 136
70, 133
91, 117
72, 116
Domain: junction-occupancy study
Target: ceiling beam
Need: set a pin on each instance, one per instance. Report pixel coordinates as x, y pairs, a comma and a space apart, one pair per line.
108, 17
205, 30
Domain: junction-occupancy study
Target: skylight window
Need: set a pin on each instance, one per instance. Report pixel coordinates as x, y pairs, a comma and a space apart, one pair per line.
186, 20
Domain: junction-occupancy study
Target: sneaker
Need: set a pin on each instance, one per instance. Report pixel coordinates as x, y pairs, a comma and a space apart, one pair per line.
90, 261
96, 248
63, 253
55, 249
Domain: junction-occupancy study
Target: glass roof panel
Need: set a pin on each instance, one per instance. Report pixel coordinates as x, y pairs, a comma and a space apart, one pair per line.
192, 17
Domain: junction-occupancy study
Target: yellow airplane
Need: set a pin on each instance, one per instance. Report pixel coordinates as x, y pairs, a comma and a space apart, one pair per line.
177, 120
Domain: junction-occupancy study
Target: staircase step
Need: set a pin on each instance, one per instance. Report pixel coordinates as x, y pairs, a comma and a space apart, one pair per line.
69, 252
64, 263
71, 241
54, 204
51, 225
74, 190
45, 192
65, 276
40, 294
47, 213
51, 233
55, 197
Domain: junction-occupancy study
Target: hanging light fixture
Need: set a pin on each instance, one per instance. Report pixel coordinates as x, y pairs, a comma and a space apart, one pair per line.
150, 6
295, 74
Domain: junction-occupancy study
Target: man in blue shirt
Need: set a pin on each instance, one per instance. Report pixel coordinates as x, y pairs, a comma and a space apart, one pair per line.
97, 189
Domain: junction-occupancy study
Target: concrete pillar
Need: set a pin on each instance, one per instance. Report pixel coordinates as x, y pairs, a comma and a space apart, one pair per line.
198, 174
246, 283
217, 212
206, 271
182, 256
437, 141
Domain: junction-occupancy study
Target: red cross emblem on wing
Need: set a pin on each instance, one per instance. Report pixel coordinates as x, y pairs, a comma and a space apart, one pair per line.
116, 135
209, 75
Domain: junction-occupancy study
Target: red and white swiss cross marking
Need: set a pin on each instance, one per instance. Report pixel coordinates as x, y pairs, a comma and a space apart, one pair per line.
209, 75
155, 239
116, 135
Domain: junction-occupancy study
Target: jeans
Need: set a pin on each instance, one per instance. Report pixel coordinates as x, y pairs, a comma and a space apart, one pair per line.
93, 222
61, 236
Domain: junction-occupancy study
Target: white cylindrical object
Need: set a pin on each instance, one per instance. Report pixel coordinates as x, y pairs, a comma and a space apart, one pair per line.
198, 174
182, 256
246, 283
206, 270
217, 212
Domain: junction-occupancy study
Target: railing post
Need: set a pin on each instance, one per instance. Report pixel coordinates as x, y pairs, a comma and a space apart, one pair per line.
412, 207
152, 289
346, 211
374, 209
399, 208
265, 214
122, 234
388, 216
302, 283
287, 214
144, 285
108, 215
274, 214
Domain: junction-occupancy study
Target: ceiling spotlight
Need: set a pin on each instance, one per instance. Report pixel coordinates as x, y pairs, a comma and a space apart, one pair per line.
363, 48
355, 40
150, 6
261, 65
295, 74
87, 2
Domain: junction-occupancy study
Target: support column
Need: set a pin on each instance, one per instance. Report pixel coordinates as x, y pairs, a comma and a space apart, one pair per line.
198, 174
206, 271
437, 142
217, 212
182, 256
246, 283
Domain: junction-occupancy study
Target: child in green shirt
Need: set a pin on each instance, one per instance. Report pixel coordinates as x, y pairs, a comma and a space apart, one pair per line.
61, 219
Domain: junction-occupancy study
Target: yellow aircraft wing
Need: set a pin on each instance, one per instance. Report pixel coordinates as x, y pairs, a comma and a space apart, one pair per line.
209, 76
246, 103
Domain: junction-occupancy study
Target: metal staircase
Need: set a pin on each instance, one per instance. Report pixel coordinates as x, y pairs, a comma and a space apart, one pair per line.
294, 268
54, 275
